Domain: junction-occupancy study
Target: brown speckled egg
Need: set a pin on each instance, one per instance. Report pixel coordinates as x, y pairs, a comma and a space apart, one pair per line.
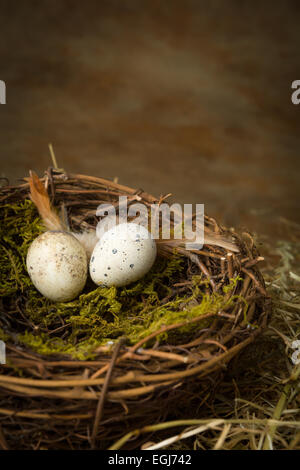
57, 265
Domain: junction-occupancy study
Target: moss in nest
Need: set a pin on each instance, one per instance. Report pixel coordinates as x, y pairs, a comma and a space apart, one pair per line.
100, 314
3, 336
19, 226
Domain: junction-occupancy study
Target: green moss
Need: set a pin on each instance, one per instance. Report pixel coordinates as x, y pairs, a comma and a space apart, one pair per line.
100, 314
3, 336
19, 225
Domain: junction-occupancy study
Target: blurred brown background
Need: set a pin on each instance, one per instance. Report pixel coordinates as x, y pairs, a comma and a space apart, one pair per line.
192, 98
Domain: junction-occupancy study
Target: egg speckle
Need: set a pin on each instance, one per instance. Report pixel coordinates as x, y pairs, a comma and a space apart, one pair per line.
57, 265
118, 259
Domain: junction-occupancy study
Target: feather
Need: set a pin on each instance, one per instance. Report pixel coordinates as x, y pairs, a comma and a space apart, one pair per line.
213, 239
88, 239
40, 198
51, 220
218, 240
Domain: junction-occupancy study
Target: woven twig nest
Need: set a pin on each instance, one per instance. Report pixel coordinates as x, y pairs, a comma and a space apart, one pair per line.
205, 312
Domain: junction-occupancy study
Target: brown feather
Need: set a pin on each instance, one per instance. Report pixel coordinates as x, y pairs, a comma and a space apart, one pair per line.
40, 198
213, 239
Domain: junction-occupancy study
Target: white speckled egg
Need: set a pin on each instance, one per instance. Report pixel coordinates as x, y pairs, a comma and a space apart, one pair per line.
57, 265
124, 254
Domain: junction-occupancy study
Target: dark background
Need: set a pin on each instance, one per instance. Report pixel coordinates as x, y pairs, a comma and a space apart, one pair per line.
188, 97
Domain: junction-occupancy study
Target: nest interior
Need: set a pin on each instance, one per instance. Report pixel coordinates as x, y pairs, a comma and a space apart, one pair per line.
79, 374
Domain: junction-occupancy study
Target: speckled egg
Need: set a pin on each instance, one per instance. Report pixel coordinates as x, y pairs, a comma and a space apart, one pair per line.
57, 265
124, 254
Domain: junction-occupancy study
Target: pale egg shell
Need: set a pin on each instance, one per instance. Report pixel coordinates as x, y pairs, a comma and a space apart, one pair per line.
57, 265
124, 254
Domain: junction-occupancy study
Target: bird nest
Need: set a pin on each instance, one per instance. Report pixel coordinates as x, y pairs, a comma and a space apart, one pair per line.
81, 374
